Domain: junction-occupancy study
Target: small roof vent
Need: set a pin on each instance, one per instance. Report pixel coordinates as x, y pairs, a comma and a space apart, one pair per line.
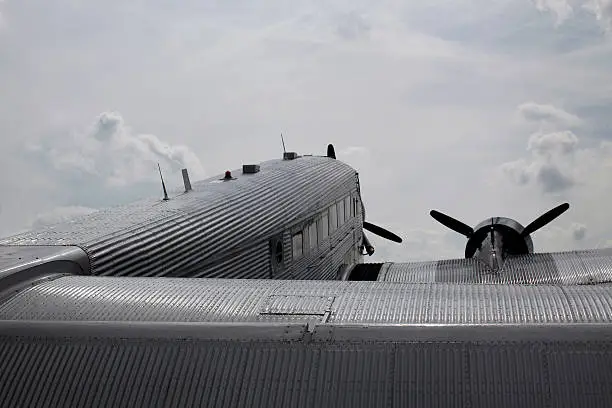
290, 156
250, 168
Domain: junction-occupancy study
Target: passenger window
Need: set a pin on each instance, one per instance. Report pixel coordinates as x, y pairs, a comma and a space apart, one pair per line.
312, 235
324, 222
333, 218
305, 240
340, 213
297, 245
347, 208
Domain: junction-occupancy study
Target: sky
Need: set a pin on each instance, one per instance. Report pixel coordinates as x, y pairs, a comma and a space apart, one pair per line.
474, 108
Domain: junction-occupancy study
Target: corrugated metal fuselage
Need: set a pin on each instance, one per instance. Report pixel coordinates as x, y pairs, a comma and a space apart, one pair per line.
294, 219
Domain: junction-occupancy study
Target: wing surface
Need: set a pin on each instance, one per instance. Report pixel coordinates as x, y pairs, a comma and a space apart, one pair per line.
565, 268
75, 340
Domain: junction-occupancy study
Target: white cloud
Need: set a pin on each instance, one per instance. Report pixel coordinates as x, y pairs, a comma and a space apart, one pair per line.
548, 176
551, 165
602, 9
560, 8
564, 142
422, 91
565, 9
111, 151
547, 114
559, 166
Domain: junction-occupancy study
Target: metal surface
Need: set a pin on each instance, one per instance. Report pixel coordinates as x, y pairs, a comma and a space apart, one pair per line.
217, 224
225, 300
565, 268
239, 365
22, 266
140, 342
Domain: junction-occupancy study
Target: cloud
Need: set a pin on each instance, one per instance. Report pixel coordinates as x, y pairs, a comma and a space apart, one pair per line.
550, 165
518, 171
60, 214
563, 10
548, 176
109, 150
560, 8
425, 89
602, 9
557, 163
578, 231
550, 114
562, 143
551, 178
352, 26
552, 162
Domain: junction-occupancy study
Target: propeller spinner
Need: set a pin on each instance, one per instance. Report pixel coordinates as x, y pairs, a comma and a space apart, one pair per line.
495, 238
373, 228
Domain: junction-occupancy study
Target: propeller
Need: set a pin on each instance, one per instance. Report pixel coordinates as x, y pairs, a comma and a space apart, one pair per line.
452, 223
544, 219
374, 229
381, 232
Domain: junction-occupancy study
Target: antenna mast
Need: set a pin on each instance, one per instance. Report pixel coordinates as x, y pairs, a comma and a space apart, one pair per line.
163, 184
283, 140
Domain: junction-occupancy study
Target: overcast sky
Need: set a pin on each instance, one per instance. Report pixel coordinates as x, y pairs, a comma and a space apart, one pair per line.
476, 108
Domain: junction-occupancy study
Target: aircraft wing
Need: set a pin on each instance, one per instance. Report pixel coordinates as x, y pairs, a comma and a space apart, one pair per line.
73, 340
565, 268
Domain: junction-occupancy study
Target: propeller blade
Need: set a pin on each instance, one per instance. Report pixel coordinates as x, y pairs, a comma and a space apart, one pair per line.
331, 152
452, 223
381, 232
545, 218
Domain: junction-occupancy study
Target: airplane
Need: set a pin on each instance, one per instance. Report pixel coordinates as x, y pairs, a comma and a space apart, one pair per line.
295, 218
249, 289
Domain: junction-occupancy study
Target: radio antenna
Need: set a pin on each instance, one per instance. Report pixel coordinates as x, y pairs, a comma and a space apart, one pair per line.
163, 184
283, 141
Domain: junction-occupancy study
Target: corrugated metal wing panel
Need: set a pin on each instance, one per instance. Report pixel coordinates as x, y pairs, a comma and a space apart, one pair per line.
122, 371
452, 304
168, 299
297, 305
567, 268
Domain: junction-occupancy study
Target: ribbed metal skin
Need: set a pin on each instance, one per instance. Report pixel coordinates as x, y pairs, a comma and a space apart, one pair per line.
221, 228
297, 304
184, 300
565, 268
60, 370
